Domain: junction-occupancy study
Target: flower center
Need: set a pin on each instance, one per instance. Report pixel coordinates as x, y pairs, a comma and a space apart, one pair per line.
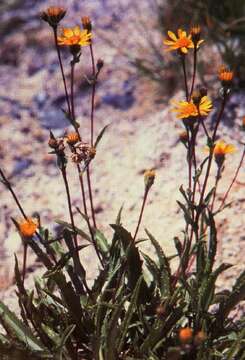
190, 109
184, 42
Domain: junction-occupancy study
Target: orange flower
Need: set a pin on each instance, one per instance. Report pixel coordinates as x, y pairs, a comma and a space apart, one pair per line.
225, 75
72, 138
221, 148
182, 42
27, 227
186, 109
53, 15
74, 36
185, 335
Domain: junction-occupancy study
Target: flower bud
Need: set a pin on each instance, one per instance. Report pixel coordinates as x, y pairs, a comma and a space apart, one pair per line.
53, 15
87, 24
100, 64
27, 227
195, 34
149, 177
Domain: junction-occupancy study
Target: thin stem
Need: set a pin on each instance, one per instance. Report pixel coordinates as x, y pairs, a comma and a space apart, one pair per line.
93, 93
233, 180
72, 92
141, 212
218, 176
86, 213
24, 263
185, 76
61, 69
92, 132
63, 171
9, 187
91, 195
194, 71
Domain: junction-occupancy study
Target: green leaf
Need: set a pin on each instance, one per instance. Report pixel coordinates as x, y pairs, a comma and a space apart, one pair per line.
70, 227
19, 330
100, 135
187, 214
64, 337
165, 272
102, 242
128, 316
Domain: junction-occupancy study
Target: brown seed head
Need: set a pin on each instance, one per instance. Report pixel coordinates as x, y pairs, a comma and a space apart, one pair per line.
92, 152
87, 24
53, 143
53, 15
185, 335
72, 138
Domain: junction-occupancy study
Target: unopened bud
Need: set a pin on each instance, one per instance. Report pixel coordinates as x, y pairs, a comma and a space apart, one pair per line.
53, 15
149, 177
87, 24
100, 64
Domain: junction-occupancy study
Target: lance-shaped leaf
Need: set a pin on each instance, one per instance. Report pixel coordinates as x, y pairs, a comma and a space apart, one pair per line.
100, 135
18, 329
165, 272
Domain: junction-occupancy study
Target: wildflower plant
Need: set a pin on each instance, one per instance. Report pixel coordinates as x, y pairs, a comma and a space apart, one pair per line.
138, 307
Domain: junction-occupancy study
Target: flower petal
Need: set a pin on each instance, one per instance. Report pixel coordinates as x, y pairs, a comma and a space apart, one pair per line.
172, 35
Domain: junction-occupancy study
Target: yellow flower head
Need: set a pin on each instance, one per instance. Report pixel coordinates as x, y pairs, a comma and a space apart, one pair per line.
27, 227
74, 36
185, 335
186, 109
221, 148
180, 42
53, 15
225, 75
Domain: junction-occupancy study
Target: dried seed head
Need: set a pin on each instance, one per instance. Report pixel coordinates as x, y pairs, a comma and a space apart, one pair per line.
185, 335
87, 24
27, 227
72, 138
53, 143
53, 15
92, 152
77, 158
